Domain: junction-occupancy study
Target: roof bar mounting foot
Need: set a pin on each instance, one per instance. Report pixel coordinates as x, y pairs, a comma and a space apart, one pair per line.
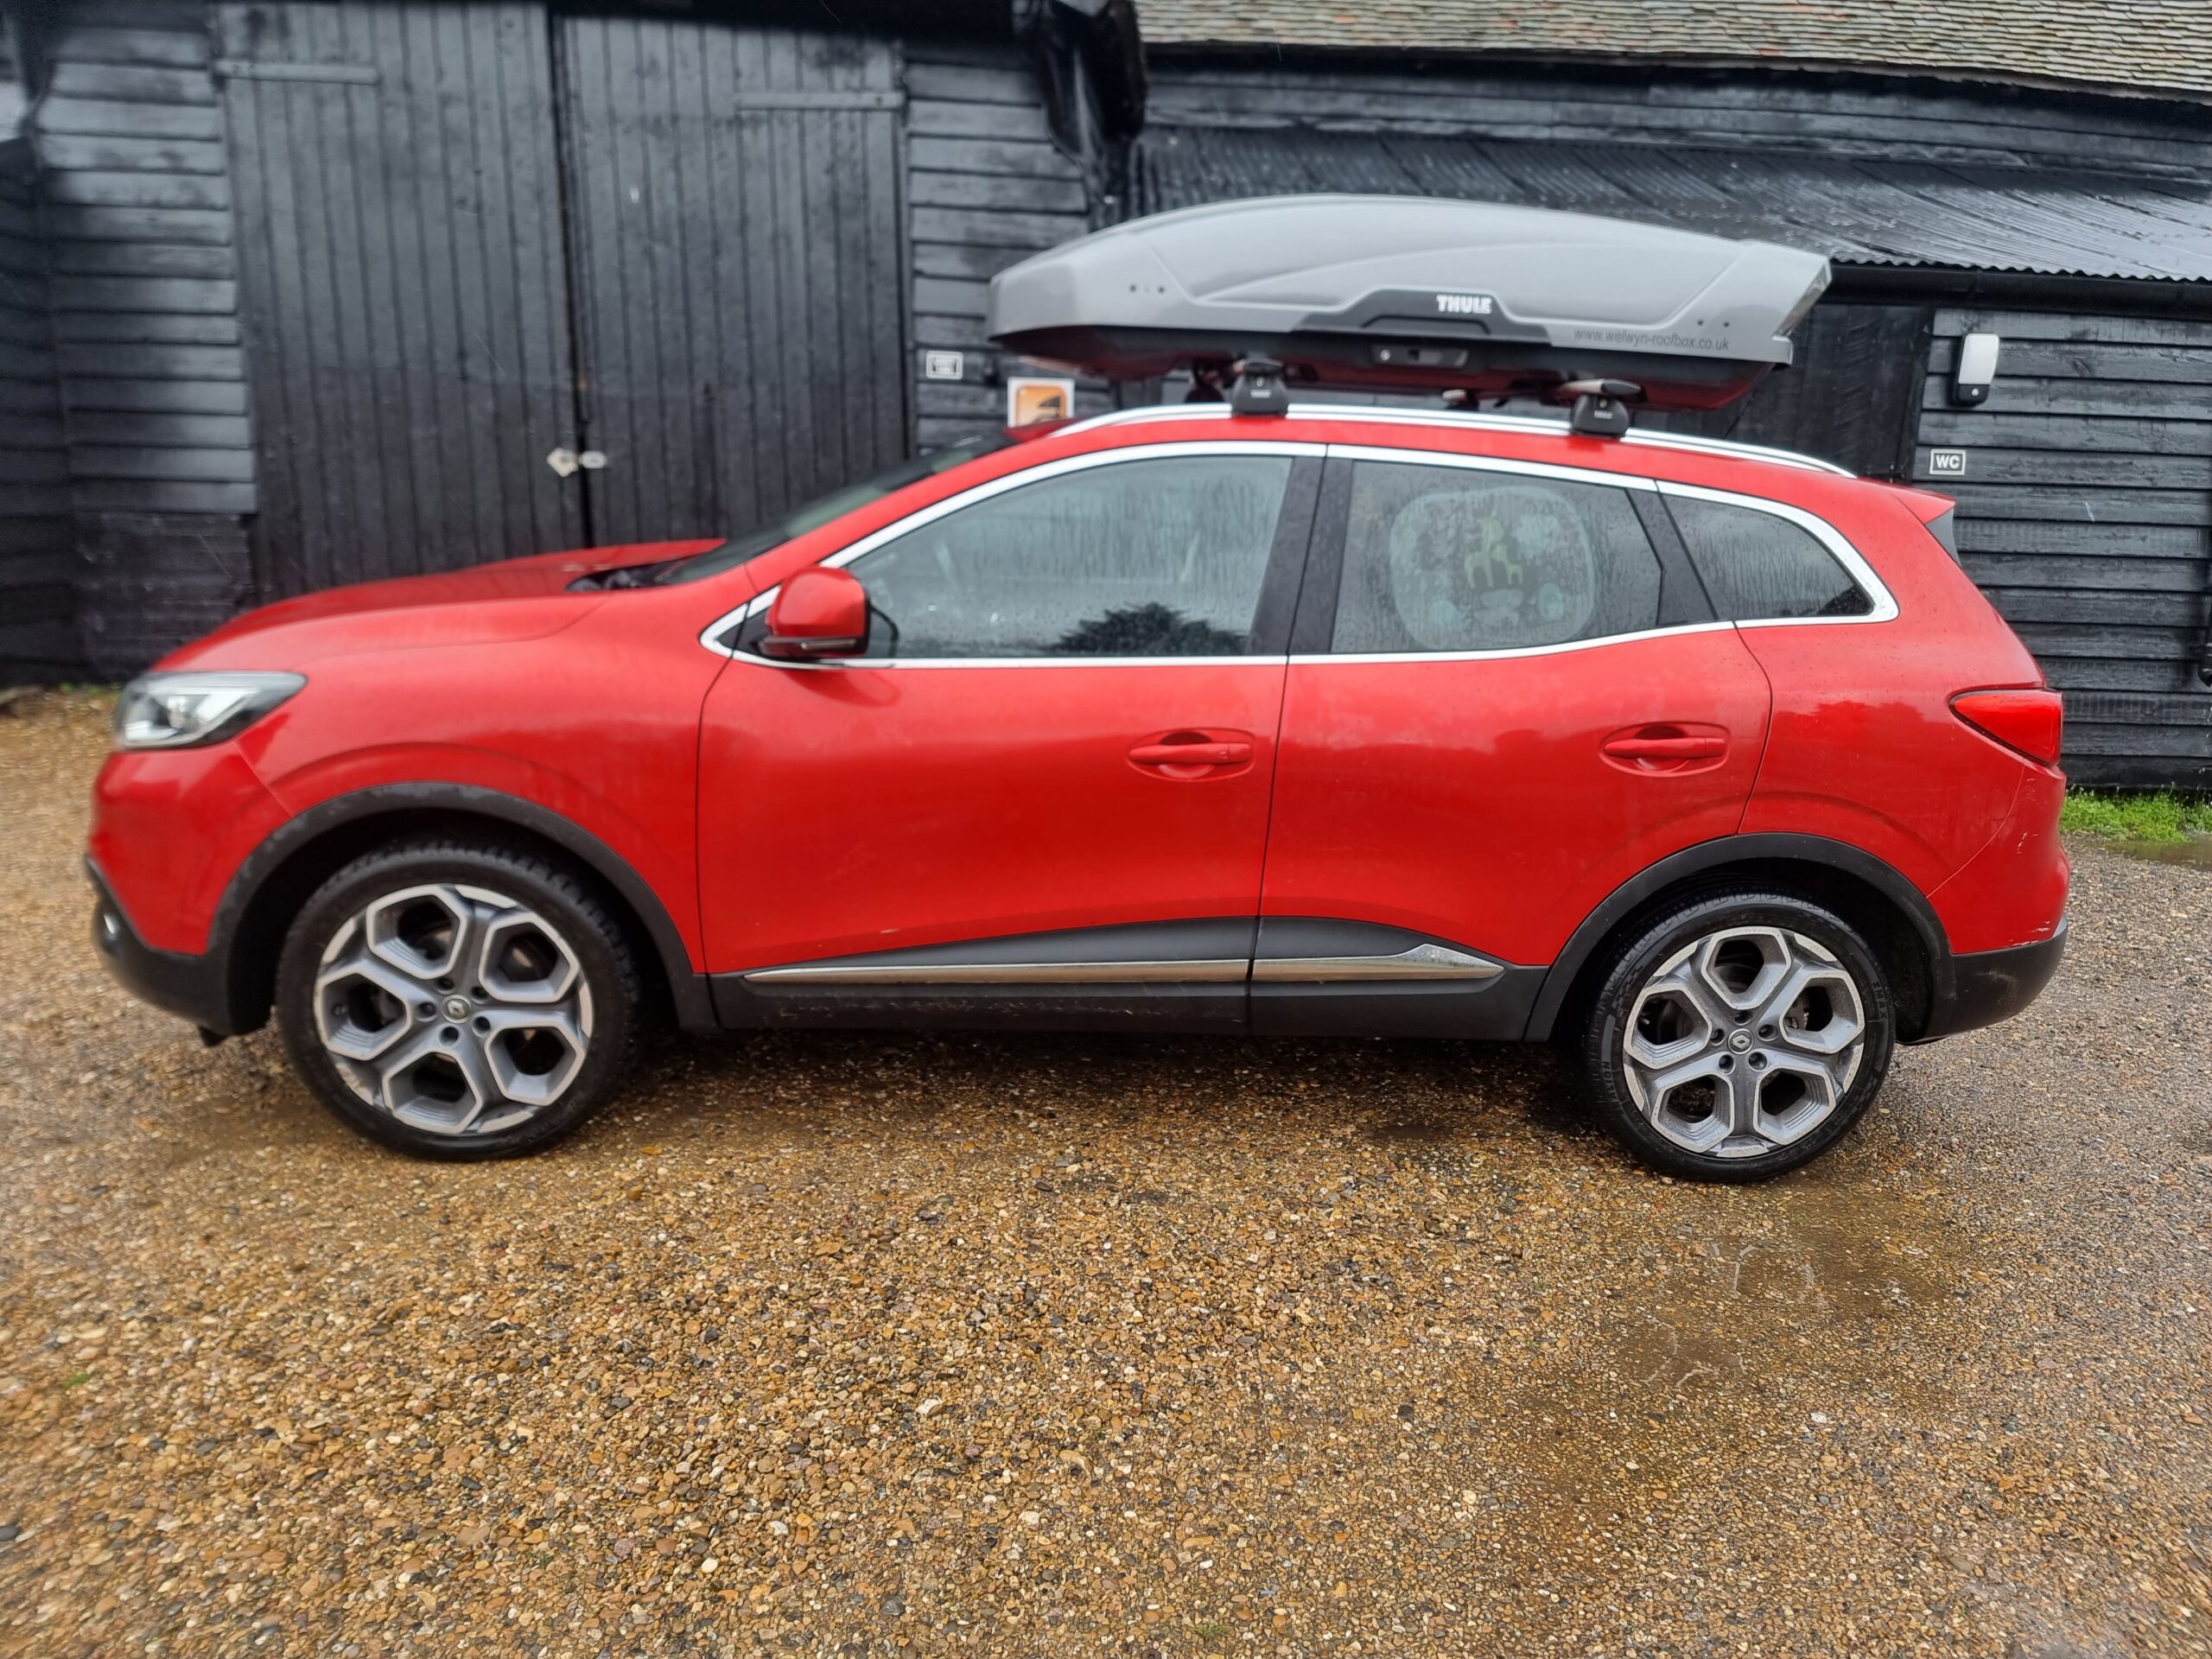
1258, 389
1601, 406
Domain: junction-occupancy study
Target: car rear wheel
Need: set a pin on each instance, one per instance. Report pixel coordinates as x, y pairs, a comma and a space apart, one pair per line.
458, 1000
1737, 1035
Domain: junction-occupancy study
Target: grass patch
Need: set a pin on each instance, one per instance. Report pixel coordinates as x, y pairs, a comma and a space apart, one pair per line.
72, 1382
2136, 815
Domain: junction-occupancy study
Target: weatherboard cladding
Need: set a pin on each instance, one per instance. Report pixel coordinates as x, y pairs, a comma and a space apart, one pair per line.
986, 188
137, 213
1857, 210
2121, 43
38, 633
2085, 513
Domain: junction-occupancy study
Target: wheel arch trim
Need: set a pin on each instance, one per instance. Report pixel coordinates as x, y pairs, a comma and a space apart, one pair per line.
1708, 857
687, 986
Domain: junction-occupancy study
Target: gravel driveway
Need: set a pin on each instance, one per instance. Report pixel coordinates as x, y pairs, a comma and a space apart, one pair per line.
1075, 1345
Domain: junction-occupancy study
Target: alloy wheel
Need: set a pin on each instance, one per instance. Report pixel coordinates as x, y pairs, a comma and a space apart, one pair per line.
1744, 1040
457, 1010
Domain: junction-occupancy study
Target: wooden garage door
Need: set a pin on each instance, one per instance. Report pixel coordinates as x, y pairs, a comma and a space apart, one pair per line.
738, 267
404, 293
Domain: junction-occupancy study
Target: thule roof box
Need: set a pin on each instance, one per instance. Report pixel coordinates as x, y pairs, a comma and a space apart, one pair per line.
1409, 293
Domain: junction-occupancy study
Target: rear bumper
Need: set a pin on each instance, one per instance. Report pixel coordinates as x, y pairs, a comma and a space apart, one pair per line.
193, 987
1980, 987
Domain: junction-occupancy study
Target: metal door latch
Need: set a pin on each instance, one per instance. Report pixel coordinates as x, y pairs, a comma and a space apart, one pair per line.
566, 461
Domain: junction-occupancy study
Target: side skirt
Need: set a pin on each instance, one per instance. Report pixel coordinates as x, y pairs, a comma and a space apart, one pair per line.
1288, 976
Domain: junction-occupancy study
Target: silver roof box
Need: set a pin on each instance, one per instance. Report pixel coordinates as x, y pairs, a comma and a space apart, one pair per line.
1408, 292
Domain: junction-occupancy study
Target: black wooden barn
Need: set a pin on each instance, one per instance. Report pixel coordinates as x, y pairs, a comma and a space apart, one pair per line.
297, 292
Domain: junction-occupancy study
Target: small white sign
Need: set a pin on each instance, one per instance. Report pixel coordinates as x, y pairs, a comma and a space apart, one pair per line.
944, 365
1947, 463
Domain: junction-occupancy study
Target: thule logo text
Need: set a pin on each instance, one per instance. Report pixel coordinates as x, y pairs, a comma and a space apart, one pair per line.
1465, 305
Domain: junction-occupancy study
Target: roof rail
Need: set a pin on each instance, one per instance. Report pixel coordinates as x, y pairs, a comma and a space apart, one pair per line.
1535, 426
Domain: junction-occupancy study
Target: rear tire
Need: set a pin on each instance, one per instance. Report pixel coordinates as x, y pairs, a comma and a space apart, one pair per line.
1736, 1035
458, 999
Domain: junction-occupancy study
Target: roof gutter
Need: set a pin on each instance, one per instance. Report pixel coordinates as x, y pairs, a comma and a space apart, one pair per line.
2028, 290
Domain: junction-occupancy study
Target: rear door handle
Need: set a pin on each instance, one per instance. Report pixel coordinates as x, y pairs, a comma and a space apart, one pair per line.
1667, 746
1668, 749
1190, 754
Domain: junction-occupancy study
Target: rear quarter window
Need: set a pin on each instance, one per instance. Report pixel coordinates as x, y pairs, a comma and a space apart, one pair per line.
1759, 566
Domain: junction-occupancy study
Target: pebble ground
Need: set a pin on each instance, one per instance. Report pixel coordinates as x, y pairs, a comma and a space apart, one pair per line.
1064, 1346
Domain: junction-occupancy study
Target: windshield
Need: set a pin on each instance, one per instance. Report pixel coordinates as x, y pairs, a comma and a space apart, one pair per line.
820, 511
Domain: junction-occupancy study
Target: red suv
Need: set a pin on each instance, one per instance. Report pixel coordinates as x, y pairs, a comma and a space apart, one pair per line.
1709, 761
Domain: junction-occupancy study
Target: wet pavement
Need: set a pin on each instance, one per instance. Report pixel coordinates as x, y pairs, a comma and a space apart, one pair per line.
1058, 1346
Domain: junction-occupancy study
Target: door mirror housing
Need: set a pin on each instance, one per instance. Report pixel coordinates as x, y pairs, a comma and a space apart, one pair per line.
819, 613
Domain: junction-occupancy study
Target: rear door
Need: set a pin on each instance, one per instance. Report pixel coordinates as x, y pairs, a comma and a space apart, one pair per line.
1043, 791
1507, 695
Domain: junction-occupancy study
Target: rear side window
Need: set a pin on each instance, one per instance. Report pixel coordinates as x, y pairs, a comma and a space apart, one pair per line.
1136, 558
1450, 559
1758, 567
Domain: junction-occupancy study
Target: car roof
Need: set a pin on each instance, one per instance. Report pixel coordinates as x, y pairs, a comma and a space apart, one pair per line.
1461, 420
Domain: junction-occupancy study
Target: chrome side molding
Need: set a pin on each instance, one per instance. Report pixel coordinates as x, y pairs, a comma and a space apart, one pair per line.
1421, 962
1005, 973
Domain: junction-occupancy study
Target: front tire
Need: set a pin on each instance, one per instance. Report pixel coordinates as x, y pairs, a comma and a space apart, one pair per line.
458, 999
1737, 1035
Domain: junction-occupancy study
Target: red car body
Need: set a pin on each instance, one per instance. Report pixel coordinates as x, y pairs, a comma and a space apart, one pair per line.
750, 812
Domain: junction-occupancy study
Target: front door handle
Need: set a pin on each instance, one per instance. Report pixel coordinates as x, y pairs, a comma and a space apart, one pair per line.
1668, 748
1187, 756
1190, 754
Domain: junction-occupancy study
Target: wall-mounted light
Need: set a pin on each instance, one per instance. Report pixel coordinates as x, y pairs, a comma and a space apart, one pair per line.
1977, 368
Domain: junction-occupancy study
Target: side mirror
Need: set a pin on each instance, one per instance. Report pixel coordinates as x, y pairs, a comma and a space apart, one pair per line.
818, 613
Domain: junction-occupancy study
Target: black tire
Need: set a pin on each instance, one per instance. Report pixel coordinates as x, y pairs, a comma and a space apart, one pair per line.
1602, 1054
603, 1006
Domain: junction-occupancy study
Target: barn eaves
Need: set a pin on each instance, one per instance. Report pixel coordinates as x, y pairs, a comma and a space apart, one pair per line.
2159, 46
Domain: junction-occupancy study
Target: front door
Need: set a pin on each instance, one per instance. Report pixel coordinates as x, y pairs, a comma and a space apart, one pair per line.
1043, 791
1506, 698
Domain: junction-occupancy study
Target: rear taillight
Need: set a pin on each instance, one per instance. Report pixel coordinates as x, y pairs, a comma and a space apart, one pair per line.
2027, 720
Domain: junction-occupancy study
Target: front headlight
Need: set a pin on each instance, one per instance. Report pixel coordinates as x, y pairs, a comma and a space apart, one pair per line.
183, 710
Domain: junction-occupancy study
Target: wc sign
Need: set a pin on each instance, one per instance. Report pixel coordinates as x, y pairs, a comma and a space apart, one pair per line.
1465, 305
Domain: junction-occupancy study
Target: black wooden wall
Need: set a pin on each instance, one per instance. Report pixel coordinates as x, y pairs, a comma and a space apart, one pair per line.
2085, 512
708, 252
136, 212
987, 188
38, 634
332, 278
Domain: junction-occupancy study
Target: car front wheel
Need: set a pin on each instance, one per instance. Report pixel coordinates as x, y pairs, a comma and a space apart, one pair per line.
458, 1000
1737, 1035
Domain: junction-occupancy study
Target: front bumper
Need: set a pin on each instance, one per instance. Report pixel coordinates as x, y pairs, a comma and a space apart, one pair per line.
1980, 987
195, 987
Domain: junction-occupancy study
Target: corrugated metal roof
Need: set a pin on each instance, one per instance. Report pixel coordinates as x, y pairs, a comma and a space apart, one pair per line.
1857, 211
2164, 45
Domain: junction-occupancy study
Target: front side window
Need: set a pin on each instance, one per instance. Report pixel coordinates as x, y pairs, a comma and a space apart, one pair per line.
1161, 557
1450, 559
1759, 566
